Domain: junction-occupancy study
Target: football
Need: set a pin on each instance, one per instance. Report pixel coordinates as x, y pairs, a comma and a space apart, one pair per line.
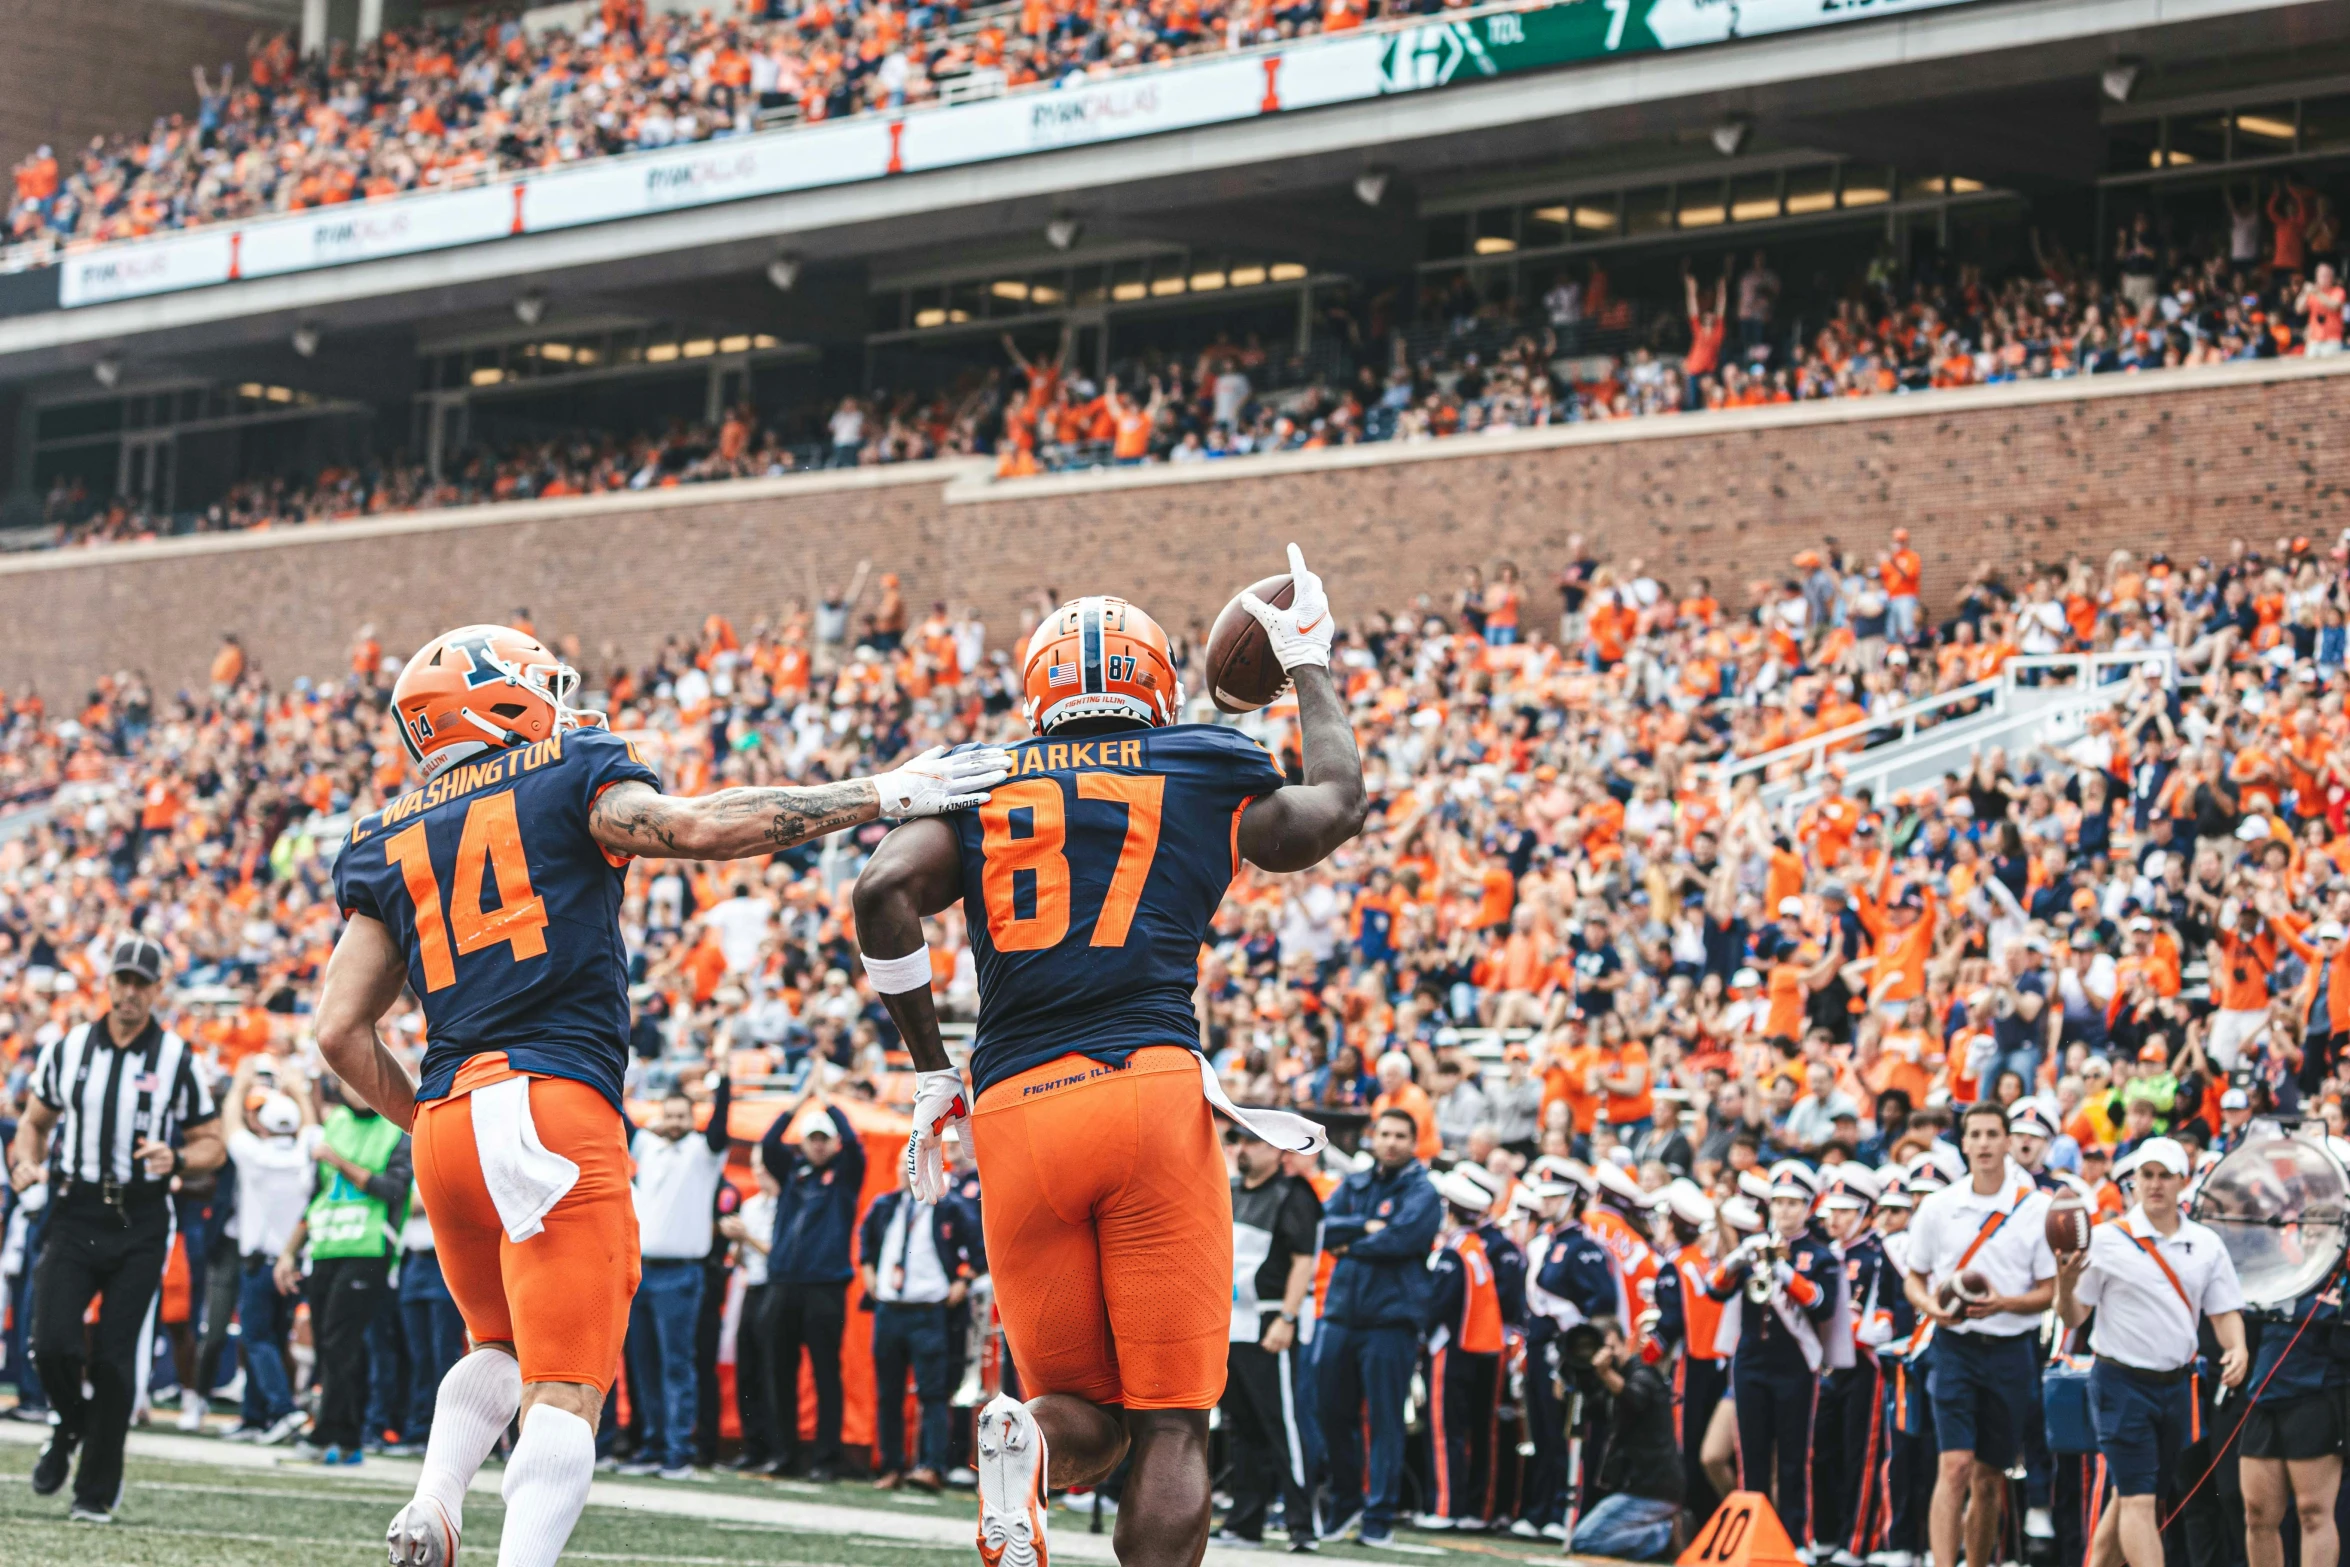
2068, 1224
1243, 674
1966, 1288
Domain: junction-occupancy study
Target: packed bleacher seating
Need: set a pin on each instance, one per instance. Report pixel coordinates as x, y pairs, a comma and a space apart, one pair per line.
440, 107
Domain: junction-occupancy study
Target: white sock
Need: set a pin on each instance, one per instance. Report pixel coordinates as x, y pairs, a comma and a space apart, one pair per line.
547, 1482
476, 1403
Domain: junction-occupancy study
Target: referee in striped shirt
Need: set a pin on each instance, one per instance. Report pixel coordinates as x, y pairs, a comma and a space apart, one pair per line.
129, 1110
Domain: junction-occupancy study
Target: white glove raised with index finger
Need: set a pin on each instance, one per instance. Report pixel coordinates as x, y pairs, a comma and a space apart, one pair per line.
935, 783
1301, 633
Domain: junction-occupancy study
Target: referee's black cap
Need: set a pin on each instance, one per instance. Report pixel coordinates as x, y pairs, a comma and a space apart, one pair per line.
139, 957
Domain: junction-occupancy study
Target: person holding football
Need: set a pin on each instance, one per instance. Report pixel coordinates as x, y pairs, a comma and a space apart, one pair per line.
1089, 882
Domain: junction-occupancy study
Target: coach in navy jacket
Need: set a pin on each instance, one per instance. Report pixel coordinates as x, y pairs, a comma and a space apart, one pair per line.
808, 1271
1381, 1223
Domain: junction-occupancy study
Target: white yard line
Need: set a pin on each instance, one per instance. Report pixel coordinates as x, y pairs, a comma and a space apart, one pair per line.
1070, 1540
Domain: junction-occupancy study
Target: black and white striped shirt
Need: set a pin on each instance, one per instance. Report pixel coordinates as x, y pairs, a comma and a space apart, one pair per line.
109, 1097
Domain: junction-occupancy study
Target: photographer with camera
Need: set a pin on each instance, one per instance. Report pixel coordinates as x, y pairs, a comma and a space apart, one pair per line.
1639, 1476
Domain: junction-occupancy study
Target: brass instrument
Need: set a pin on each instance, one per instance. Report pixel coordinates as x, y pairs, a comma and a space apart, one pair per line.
1770, 1250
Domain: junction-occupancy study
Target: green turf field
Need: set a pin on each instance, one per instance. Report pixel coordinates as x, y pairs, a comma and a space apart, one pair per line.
247, 1511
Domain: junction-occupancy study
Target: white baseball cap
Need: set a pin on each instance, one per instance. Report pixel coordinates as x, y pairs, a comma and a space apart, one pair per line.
2163, 1151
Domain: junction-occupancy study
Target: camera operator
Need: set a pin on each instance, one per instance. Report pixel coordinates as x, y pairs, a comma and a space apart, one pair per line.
1639, 1477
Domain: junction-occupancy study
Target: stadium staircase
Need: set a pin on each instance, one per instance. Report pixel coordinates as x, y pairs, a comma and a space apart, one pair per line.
2033, 703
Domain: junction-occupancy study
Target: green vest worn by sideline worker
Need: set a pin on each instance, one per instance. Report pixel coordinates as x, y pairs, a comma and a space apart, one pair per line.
344, 1220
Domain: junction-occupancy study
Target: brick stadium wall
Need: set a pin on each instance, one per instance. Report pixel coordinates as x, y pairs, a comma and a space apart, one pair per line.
2183, 461
74, 69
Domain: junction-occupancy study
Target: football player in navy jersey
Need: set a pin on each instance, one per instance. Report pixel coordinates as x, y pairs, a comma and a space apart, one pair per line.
1089, 882
493, 893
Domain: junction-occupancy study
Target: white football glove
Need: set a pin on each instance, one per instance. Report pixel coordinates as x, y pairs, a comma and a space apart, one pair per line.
935, 783
1301, 633
939, 1102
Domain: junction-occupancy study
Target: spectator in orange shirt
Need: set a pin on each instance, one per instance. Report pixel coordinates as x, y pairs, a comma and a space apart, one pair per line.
2242, 957
228, 667
1397, 1091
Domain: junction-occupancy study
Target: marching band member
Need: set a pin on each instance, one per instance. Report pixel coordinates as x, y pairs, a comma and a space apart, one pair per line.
1690, 1319
1788, 1283
1479, 1295
1570, 1279
1909, 1450
1849, 1441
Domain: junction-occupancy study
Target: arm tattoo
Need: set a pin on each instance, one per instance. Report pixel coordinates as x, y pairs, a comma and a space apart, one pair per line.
640, 818
733, 823
793, 816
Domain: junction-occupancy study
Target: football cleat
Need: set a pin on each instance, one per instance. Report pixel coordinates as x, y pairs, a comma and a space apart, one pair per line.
1012, 1468
422, 1535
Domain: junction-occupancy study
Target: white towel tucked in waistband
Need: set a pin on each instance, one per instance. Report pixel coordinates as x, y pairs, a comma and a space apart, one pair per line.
1278, 1127
526, 1179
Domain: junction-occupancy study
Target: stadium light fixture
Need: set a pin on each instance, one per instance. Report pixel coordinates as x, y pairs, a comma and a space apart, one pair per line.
530, 308
306, 340
783, 272
108, 371
1062, 232
2119, 80
1371, 186
1729, 136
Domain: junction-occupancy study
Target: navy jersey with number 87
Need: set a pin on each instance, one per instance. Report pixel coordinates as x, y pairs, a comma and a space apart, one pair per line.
506, 908
1090, 877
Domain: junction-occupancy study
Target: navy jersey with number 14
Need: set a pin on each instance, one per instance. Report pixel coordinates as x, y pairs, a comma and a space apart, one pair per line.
506, 909
1090, 877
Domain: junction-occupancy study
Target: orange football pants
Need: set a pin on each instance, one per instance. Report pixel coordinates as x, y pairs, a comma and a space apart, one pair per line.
1108, 1216
561, 1297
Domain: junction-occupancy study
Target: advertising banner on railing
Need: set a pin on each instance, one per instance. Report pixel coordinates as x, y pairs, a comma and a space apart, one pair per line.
1224, 89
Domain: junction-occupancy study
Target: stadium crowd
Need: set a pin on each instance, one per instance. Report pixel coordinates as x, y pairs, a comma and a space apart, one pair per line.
1477, 364
432, 108
1597, 1025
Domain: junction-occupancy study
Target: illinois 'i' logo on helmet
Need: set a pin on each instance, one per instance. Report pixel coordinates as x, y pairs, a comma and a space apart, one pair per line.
480, 688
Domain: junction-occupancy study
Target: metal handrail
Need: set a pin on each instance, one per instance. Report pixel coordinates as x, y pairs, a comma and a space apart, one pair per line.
1905, 717
1996, 687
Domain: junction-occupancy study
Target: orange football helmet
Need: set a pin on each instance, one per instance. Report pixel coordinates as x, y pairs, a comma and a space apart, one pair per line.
481, 688
1100, 658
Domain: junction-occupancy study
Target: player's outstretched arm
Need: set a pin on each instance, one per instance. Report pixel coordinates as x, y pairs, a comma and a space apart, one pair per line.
1297, 827
733, 824
915, 872
363, 979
